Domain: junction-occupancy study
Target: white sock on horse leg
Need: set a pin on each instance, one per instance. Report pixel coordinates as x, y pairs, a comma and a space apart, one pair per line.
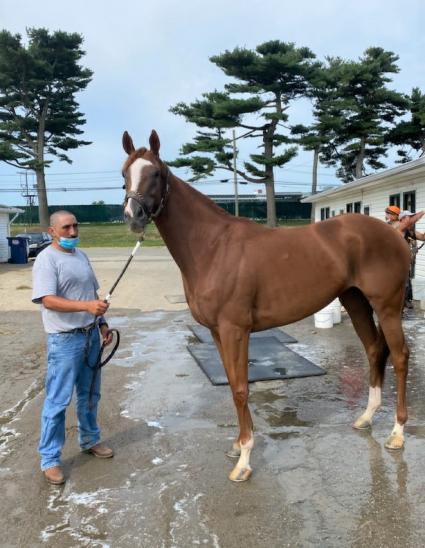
373, 403
246, 448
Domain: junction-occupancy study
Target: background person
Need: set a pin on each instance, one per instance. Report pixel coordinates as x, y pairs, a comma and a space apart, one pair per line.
406, 226
66, 287
391, 214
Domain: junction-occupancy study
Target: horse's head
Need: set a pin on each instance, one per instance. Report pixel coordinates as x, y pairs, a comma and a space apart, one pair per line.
146, 182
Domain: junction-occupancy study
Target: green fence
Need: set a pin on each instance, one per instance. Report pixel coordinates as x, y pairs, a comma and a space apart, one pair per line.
110, 213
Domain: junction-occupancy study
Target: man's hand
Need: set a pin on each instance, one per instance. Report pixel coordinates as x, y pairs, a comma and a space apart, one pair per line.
97, 307
106, 334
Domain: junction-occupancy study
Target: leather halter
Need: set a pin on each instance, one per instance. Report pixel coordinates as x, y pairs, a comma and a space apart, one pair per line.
140, 199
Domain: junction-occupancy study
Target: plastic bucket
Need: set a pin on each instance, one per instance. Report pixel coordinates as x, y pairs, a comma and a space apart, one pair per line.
335, 306
324, 318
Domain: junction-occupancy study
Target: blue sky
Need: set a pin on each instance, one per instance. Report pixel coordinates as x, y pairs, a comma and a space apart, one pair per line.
147, 56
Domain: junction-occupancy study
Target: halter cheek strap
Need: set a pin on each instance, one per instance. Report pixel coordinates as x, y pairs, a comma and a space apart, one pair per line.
140, 199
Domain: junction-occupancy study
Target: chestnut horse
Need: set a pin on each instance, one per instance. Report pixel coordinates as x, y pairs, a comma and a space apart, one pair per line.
240, 277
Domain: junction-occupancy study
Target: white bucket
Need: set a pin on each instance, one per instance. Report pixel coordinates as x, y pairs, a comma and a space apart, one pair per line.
335, 306
324, 318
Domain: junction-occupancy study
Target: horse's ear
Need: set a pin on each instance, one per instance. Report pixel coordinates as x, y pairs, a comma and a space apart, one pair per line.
127, 143
154, 143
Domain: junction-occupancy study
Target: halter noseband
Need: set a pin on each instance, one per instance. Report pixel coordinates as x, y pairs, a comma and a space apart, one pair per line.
140, 199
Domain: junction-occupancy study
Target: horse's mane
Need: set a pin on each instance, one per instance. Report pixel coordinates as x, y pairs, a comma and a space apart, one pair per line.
206, 201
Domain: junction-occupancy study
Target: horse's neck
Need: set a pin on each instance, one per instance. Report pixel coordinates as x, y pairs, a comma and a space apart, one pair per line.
189, 225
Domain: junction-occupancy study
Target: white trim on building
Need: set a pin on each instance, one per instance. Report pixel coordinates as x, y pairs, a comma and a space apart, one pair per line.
403, 185
5, 223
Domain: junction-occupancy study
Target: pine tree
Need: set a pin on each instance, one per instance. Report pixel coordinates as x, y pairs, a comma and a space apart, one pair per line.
410, 134
266, 81
38, 111
361, 110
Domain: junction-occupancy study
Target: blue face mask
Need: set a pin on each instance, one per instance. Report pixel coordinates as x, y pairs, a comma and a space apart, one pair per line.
69, 243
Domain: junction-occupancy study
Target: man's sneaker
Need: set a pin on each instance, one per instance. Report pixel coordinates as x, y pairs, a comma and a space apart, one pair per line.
101, 451
54, 475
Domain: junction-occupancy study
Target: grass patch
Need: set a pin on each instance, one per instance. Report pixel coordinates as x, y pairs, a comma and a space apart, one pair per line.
119, 235
105, 235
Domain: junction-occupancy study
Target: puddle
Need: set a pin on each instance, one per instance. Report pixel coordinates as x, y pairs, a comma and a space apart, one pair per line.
11, 414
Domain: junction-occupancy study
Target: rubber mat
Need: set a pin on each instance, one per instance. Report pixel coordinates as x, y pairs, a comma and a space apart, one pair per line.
204, 334
268, 359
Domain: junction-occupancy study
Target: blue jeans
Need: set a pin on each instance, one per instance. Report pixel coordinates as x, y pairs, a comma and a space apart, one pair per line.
71, 358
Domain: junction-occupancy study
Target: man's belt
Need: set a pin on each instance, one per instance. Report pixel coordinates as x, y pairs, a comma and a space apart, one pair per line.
85, 329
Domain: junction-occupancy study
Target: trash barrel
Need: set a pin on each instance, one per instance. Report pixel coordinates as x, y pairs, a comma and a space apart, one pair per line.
18, 250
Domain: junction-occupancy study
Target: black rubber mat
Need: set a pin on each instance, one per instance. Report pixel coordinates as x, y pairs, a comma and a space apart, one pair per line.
268, 359
204, 334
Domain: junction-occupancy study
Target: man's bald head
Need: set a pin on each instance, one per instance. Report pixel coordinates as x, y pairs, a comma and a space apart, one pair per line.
58, 216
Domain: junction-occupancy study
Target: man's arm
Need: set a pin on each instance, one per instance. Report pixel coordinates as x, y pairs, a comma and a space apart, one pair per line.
59, 304
420, 236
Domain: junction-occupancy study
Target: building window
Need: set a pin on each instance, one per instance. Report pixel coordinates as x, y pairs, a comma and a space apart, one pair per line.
349, 208
357, 207
324, 213
409, 201
366, 210
395, 200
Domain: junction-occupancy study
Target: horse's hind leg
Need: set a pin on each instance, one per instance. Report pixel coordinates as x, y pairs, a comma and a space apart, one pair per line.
390, 319
233, 346
376, 348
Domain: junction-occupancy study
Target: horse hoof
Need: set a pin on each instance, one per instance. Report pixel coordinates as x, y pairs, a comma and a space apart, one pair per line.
234, 452
362, 424
240, 474
394, 442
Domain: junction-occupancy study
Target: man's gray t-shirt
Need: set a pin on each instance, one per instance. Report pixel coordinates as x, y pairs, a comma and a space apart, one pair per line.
67, 275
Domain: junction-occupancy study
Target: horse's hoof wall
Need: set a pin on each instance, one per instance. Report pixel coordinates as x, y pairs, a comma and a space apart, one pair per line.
240, 474
234, 452
394, 442
362, 424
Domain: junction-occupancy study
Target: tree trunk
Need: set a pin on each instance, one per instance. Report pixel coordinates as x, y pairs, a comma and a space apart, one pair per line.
314, 174
360, 158
271, 203
314, 181
43, 210
270, 192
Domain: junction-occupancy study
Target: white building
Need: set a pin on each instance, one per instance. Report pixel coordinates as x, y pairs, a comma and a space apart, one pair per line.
5, 222
403, 186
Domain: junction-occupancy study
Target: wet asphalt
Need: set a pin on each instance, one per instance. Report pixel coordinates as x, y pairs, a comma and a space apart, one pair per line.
316, 481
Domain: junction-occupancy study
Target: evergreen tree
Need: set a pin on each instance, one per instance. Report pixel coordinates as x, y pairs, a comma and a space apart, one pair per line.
361, 110
38, 111
410, 134
266, 81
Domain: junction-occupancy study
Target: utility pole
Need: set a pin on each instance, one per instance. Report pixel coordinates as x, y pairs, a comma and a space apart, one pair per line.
27, 194
235, 176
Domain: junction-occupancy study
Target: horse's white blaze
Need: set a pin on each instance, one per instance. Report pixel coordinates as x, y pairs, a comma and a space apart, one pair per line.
136, 170
373, 403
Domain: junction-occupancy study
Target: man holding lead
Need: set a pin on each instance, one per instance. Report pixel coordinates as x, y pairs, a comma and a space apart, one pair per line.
66, 287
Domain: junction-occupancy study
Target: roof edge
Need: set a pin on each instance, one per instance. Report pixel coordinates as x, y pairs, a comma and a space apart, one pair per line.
369, 179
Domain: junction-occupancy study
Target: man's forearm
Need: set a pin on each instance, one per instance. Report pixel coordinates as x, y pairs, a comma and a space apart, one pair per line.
60, 304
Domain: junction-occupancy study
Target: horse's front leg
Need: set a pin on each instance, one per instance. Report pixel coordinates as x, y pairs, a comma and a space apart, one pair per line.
232, 342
